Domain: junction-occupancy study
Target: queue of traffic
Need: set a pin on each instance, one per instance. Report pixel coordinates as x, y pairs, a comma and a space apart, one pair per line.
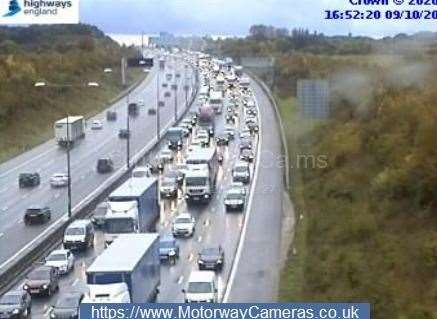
185, 169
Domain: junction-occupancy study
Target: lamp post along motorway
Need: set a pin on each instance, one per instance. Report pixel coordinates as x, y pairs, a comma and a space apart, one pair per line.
174, 87
128, 130
68, 148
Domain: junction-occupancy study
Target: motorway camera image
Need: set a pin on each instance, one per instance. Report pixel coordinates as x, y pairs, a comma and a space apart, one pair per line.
217, 159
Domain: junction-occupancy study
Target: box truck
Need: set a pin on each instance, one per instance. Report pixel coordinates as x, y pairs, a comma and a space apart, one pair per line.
126, 272
75, 131
132, 208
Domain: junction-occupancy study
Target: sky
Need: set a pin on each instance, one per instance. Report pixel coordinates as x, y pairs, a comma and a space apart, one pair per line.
234, 17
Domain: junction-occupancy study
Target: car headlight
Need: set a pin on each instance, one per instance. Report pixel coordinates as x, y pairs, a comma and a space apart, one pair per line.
171, 253
16, 311
206, 195
52, 315
219, 261
25, 287
200, 261
45, 286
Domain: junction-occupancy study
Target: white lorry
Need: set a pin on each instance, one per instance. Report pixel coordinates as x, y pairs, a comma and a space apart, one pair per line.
75, 131
127, 271
132, 208
200, 178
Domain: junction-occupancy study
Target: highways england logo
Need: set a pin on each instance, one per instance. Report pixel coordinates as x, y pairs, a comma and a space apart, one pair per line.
39, 11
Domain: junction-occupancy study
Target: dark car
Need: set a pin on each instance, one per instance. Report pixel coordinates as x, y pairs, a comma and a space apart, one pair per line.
29, 180
253, 127
67, 306
99, 216
104, 165
230, 118
133, 109
123, 133
167, 94
168, 248
246, 155
15, 304
211, 259
111, 115
222, 140
151, 111
169, 187
43, 280
37, 215
165, 85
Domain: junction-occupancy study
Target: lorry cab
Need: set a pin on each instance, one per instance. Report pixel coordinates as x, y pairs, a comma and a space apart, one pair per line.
110, 293
201, 287
79, 235
121, 218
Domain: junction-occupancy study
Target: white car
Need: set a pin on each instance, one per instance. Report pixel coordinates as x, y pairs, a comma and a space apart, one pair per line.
59, 180
184, 225
166, 156
96, 125
62, 259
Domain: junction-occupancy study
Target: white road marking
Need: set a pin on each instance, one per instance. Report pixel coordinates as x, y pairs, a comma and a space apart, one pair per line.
199, 239
180, 280
1, 235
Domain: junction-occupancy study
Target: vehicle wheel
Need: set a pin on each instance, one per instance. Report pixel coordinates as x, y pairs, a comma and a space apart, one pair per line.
25, 313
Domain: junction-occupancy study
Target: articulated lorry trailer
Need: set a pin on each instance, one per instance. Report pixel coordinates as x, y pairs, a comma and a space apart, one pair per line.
132, 208
128, 271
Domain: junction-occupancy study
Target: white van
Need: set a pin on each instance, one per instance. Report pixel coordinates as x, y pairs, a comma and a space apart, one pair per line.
79, 235
201, 287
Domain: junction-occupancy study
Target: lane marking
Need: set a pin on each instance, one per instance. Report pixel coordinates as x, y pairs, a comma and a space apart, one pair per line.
199, 239
180, 279
2, 234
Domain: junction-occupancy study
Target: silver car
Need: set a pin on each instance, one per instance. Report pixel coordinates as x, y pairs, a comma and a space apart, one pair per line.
59, 180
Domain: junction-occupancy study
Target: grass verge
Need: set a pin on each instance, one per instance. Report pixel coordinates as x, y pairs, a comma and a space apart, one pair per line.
33, 126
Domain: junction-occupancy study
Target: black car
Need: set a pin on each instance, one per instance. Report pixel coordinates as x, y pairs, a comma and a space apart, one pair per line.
222, 140
111, 115
123, 133
29, 180
15, 304
167, 94
165, 85
253, 127
37, 215
104, 165
211, 258
156, 166
246, 155
230, 118
168, 248
151, 111
43, 280
67, 306
133, 109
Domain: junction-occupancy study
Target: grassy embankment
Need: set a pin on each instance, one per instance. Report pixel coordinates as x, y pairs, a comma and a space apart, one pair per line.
368, 229
71, 55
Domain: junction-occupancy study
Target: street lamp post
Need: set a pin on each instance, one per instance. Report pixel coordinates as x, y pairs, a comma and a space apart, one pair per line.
59, 86
128, 131
158, 106
68, 169
174, 87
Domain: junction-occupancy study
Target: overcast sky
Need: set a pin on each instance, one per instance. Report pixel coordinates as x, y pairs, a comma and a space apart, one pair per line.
233, 17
